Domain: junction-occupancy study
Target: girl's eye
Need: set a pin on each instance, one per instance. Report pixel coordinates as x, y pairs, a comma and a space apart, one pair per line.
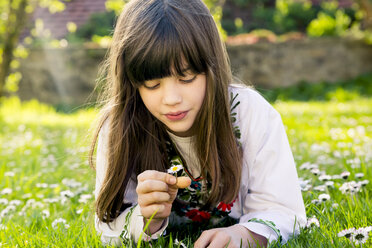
188, 80
151, 86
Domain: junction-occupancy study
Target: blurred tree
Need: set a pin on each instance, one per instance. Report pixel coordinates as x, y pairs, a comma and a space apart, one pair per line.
14, 15
366, 7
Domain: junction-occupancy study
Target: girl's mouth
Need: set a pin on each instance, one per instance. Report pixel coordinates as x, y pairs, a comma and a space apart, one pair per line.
176, 116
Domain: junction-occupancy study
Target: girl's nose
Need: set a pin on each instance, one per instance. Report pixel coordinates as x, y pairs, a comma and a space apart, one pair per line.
171, 92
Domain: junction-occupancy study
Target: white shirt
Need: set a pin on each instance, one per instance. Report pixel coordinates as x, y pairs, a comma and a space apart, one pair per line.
269, 188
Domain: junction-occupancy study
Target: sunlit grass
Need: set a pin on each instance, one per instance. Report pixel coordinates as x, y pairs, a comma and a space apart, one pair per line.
45, 178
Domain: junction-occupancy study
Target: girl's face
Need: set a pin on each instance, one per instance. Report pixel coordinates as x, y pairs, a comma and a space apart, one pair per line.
175, 101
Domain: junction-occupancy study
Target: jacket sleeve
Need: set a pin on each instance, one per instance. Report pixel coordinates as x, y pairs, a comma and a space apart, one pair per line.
272, 204
130, 223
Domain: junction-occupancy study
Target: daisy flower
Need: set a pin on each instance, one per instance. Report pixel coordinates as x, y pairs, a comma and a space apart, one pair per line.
6, 191
315, 171
347, 233
325, 177
67, 193
364, 182
359, 175
345, 174
174, 169
45, 213
316, 201
320, 188
60, 221
324, 197
330, 184
313, 221
179, 243
360, 236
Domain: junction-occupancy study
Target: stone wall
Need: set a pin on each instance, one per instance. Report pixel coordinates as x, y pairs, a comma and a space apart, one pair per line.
68, 76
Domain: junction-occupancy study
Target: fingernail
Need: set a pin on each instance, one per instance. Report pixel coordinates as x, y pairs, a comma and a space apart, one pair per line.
172, 180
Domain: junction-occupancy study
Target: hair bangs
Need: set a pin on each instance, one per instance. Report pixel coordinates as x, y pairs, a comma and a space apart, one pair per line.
165, 53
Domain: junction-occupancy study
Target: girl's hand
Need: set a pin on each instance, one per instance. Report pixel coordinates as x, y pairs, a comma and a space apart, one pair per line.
230, 237
156, 192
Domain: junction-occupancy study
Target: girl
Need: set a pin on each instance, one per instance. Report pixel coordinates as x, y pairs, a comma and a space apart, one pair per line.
171, 112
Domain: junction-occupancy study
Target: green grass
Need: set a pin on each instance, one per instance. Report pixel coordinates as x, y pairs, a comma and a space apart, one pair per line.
43, 153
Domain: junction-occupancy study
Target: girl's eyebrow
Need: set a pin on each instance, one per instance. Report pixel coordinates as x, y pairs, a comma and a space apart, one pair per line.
186, 69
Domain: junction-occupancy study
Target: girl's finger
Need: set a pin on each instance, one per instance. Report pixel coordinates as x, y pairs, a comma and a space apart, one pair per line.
220, 240
150, 185
205, 239
148, 211
156, 175
153, 197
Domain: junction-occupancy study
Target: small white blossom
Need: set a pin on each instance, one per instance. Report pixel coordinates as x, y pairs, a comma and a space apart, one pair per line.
7, 210
360, 236
45, 213
345, 174
359, 175
308, 166
58, 221
304, 184
67, 193
179, 243
72, 183
6, 191
313, 221
84, 198
79, 211
15, 202
350, 187
4, 201
28, 195
336, 177
364, 182
42, 185
52, 186
40, 196
315, 201
347, 233
325, 177
51, 200
9, 174
321, 188
315, 171
175, 169
335, 205
330, 184
324, 197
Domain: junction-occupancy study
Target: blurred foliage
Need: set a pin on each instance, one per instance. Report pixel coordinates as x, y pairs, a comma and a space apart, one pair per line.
324, 19
242, 16
323, 91
14, 16
99, 24
291, 15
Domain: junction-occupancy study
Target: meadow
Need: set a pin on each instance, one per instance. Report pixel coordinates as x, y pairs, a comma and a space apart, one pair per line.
46, 184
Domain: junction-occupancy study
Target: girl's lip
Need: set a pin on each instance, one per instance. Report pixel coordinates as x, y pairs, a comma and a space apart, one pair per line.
176, 116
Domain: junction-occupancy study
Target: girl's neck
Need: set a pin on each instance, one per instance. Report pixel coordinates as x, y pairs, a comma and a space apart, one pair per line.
181, 138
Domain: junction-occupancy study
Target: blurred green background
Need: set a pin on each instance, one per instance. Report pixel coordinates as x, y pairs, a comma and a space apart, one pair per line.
311, 59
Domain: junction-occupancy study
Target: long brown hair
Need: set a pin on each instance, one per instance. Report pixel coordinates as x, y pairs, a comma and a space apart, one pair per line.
155, 39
